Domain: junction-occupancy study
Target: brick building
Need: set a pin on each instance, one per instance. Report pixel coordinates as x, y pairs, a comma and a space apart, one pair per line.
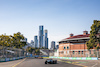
75, 46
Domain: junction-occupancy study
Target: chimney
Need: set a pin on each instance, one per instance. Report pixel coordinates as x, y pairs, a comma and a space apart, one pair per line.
85, 32
71, 35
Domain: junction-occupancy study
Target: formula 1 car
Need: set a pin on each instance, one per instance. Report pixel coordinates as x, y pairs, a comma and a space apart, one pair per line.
51, 61
40, 57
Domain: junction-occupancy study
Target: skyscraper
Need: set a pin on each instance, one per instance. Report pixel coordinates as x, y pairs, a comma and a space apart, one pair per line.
35, 42
40, 36
46, 39
32, 43
53, 45
57, 47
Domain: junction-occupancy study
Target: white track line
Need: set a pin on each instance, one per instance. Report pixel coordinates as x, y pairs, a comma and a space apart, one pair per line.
94, 65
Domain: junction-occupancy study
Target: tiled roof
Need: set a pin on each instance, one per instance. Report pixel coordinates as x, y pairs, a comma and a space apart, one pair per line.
78, 36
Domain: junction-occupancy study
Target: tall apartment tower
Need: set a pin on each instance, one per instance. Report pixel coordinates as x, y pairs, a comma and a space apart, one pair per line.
35, 42
53, 45
41, 36
32, 43
46, 39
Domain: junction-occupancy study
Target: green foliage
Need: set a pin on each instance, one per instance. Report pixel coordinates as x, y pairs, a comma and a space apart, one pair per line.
35, 50
30, 49
16, 38
42, 47
94, 40
4, 40
12, 41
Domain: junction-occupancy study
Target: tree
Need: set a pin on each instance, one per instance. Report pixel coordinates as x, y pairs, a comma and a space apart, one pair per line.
37, 51
16, 39
30, 49
94, 40
4, 41
12, 41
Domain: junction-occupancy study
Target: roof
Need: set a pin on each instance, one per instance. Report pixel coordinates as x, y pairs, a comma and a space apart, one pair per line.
76, 37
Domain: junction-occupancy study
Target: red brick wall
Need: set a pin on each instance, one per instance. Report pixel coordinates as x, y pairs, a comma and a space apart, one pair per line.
78, 46
75, 47
72, 47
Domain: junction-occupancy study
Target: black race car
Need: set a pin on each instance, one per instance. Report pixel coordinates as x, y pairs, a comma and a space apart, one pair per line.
50, 61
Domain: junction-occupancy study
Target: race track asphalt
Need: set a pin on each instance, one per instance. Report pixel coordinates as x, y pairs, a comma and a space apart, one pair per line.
31, 62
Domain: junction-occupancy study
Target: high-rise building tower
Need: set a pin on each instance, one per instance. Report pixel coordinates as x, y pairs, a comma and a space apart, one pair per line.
35, 42
41, 36
46, 39
57, 46
53, 45
32, 43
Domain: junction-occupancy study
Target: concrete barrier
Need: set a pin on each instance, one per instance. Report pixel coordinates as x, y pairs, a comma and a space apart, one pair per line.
2, 60
7, 59
76, 58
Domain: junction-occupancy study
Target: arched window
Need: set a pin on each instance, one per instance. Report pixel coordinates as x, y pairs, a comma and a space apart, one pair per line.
73, 52
82, 52
64, 47
67, 47
78, 52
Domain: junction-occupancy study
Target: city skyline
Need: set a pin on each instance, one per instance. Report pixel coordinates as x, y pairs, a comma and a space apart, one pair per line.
41, 40
60, 17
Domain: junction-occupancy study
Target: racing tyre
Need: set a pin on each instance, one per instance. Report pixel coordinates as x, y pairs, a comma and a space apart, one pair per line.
55, 62
45, 62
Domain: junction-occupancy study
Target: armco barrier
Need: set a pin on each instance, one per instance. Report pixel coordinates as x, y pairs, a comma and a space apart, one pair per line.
76, 58
11, 59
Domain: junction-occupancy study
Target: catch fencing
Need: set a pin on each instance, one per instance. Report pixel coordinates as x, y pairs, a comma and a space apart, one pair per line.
7, 52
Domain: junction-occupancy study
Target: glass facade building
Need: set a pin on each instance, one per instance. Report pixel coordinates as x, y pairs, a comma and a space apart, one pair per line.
35, 41
32, 43
46, 39
41, 36
53, 45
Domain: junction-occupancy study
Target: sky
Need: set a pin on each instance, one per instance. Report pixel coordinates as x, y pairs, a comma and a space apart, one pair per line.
59, 17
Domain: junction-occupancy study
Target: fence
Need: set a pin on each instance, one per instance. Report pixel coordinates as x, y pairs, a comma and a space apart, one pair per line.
77, 53
7, 52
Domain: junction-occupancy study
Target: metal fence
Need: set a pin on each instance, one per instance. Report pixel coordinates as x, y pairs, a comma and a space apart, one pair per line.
7, 52
77, 53
93, 53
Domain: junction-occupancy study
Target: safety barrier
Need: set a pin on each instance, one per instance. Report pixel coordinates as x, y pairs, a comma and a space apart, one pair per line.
11, 59
76, 58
